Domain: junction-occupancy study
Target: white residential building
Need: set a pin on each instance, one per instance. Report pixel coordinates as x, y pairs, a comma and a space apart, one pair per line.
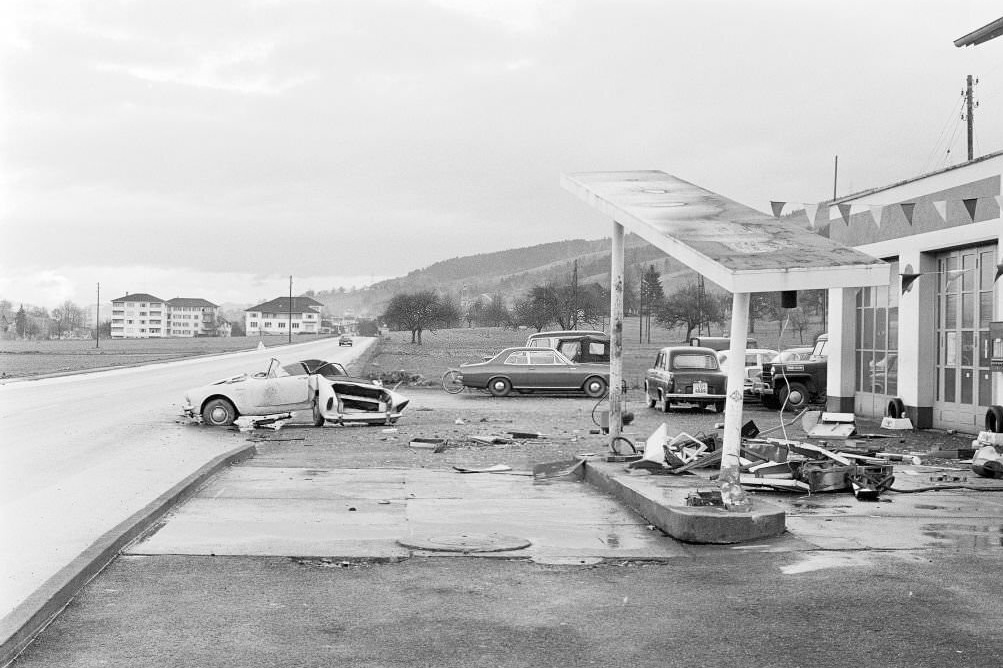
280, 316
138, 316
189, 316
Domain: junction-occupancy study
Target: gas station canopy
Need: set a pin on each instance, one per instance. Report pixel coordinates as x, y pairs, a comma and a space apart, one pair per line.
733, 245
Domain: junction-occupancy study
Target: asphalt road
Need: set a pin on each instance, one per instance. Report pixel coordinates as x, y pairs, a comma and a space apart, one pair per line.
883, 609
81, 453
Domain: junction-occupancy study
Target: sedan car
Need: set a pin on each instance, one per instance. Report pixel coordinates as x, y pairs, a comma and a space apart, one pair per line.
755, 358
325, 388
686, 374
528, 369
345, 340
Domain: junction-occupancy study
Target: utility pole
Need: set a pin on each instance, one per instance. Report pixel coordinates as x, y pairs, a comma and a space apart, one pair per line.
835, 175
97, 320
970, 117
290, 309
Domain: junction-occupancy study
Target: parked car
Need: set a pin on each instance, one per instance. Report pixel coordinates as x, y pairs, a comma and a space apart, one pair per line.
719, 342
344, 340
325, 388
528, 369
797, 379
686, 374
576, 345
755, 358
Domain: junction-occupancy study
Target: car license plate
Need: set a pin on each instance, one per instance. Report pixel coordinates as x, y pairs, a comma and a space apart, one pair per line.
699, 387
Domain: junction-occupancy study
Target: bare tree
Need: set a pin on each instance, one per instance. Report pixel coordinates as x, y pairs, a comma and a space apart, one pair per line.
420, 311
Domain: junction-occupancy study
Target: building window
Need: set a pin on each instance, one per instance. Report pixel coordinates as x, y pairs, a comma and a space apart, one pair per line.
876, 338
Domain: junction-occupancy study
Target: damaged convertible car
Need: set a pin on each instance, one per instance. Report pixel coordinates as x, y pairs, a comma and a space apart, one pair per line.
322, 387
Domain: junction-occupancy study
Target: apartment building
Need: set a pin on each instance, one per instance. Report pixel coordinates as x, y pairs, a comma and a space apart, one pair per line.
188, 316
138, 316
144, 316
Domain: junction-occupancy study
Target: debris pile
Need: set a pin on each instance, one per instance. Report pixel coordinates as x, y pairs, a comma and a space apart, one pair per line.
987, 458
776, 464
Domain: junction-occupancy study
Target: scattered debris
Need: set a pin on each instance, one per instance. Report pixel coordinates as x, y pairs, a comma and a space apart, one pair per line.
497, 468
526, 434
896, 423
828, 425
434, 444
574, 468
250, 423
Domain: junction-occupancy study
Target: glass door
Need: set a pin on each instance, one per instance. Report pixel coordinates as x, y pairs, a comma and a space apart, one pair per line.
964, 311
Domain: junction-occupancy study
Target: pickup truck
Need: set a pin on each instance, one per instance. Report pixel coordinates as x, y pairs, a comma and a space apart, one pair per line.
794, 384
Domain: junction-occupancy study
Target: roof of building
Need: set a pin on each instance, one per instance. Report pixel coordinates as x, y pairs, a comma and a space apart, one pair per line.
896, 184
139, 297
281, 305
191, 301
987, 32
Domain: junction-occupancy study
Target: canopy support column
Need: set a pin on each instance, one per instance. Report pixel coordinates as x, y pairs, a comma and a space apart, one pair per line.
732, 494
616, 336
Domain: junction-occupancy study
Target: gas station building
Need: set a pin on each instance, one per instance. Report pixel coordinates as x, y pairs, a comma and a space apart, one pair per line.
927, 338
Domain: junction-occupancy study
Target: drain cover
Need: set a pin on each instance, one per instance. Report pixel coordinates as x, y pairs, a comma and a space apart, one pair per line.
466, 542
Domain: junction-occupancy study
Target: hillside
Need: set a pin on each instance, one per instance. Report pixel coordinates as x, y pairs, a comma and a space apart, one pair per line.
512, 272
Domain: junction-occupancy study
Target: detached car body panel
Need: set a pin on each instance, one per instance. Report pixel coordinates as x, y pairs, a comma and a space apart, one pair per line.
529, 368
686, 374
325, 388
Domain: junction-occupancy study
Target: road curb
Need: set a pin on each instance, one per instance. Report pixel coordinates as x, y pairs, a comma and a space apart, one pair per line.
665, 508
20, 627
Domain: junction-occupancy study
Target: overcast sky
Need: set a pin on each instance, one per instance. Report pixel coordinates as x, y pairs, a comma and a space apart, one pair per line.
211, 149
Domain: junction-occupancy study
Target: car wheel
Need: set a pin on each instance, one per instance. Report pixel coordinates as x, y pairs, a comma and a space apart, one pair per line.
595, 387
318, 418
793, 396
651, 400
719, 407
499, 387
219, 413
666, 405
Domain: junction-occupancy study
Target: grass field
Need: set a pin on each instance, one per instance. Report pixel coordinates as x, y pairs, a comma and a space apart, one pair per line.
20, 359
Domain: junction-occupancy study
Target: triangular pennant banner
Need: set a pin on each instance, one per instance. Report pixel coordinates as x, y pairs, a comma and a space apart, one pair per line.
844, 211
876, 211
941, 207
811, 210
778, 208
970, 204
907, 209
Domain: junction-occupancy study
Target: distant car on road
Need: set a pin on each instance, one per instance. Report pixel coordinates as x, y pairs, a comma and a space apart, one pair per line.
686, 375
322, 387
529, 369
344, 340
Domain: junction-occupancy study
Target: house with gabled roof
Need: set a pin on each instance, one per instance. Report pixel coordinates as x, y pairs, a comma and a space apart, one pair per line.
300, 315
